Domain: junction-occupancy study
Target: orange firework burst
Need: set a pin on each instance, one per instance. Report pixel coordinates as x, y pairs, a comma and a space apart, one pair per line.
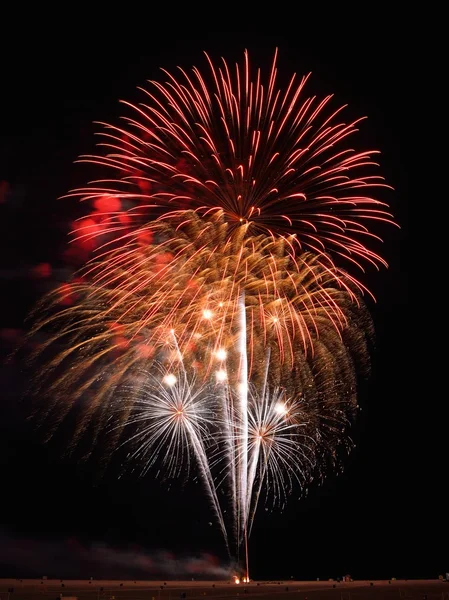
177, 300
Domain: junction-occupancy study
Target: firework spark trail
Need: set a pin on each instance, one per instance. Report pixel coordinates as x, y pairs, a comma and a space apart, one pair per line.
211, 258
229, 451
203, 460
254, 463
204, 467
172, 415
243, 417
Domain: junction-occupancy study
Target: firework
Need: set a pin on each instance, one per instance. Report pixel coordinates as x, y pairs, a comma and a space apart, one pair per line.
214, 323
207, 331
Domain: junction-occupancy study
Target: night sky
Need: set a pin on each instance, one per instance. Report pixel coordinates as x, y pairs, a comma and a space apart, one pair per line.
384, 516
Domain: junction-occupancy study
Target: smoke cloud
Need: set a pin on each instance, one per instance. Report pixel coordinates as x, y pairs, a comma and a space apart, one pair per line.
21, 557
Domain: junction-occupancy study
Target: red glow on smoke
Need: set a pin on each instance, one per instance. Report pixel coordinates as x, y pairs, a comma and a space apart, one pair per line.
74, 255
124, 219
118, 328
120, 342
144, 185
85, 235
84, 231
145, 238
4, 186
145, 351
41, 271
66, 295
10, 334
108, 204
162, 260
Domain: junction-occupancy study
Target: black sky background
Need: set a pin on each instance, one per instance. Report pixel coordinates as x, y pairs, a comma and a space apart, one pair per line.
385, 516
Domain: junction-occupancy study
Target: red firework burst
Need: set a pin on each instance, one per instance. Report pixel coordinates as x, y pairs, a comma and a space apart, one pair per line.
277, 159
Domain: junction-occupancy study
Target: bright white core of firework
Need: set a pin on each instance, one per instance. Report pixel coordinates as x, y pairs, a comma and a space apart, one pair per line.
170, 379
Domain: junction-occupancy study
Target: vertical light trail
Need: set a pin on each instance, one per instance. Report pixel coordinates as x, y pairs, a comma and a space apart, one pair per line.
243, 406
253, 462
255, 455
229, 437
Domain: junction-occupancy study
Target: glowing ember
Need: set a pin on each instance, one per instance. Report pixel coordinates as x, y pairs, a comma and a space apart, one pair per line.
221, 354
281, 409
170, 379
221, 375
